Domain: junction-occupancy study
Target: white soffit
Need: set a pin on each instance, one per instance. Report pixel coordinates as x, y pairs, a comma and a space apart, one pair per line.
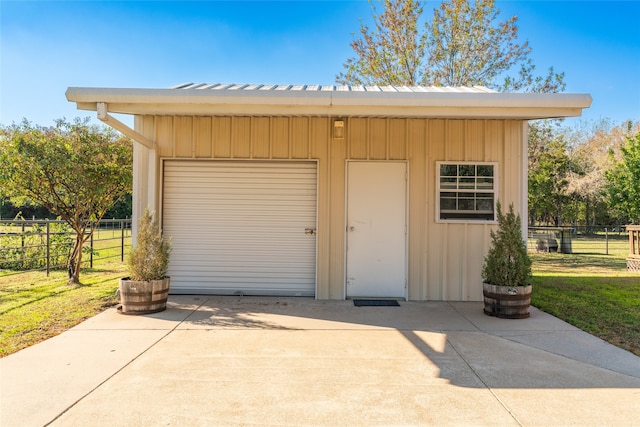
328, 100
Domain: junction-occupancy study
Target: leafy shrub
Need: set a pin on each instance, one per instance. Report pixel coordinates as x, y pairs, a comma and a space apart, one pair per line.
149, 259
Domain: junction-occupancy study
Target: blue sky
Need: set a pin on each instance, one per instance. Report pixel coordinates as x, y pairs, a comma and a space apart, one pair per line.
47, 46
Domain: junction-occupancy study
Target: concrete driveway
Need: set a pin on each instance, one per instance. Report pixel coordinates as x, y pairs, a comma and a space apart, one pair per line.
296, 361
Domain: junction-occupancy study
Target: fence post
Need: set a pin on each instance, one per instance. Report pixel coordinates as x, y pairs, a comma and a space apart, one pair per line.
23, 254
121, 240
91, 252
48, 249
606, 239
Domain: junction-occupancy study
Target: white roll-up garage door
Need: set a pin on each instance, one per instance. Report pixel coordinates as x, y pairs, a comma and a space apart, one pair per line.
241, 227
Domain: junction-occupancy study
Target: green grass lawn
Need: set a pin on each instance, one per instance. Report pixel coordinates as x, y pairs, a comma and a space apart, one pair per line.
34, 307
593, 292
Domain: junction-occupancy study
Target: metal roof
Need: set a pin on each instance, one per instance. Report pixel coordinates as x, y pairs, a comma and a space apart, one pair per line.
203, 99
332, 88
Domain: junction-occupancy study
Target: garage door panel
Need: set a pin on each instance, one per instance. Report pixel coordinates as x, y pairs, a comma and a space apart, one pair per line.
239, 227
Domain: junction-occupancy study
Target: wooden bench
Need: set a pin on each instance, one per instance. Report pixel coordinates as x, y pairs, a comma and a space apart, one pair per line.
546, 244
633, 260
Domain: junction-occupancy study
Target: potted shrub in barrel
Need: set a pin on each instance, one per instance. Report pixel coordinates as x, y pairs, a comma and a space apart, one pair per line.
506, 272
146, 289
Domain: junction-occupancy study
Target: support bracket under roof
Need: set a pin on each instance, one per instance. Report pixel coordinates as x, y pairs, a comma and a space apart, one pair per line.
103, 115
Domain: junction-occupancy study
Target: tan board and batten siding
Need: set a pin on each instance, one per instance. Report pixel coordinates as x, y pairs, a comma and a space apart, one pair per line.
444, 259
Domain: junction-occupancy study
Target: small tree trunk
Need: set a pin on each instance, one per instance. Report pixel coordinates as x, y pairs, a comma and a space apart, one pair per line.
75, 260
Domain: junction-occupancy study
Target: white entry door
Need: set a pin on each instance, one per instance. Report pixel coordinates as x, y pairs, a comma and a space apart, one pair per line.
376, 229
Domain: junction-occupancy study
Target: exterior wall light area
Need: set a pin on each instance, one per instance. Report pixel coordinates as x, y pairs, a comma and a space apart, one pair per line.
338, 129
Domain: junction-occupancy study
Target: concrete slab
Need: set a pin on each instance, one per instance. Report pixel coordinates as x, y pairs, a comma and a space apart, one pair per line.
178, 309
545, 332
282, 361
289, 377
541, 388
309, 314
40, 382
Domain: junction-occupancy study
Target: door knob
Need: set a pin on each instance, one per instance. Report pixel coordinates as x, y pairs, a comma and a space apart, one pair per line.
352, 228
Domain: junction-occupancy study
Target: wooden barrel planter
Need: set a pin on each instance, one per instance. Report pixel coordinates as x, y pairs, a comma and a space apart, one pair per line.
143, 297
507, 302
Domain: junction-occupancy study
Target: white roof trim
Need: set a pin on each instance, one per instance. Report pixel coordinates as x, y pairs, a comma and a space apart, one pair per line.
318, 100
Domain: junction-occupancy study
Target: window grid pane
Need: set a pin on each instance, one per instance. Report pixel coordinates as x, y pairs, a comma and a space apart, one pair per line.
467, 191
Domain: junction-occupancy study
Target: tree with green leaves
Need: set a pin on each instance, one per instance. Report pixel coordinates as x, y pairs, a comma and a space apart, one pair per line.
75, 170
590, 145
623, 181
548, 179
392, 54
464, 44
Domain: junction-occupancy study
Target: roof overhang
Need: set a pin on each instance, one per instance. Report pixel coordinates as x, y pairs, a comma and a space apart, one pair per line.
337, 101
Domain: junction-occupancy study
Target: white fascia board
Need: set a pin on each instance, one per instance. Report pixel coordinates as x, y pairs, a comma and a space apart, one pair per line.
331, 103
337, 111
468, 100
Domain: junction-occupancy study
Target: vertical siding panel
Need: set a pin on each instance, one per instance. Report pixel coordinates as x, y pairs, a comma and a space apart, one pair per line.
164, 136
436, 243
456, 262
202, 137
398, 138
511, 169
147, 126
472, 242
280, 138
303, 142
474, 140
377, 139
524, 171
183, 136
241, 137
454, 140
493, 152
317, 132
142, 180
493, 141
337, 167
480, 234
221, 135
414, 138
260, 137
519, 144
477, 235
357, 138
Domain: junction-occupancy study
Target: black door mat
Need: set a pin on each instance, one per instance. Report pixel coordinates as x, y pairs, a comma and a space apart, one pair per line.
375, 303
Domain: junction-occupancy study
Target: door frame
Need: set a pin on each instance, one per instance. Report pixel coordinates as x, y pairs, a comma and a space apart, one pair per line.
406, 221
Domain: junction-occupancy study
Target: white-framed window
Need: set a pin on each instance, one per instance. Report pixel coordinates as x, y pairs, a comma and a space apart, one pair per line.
466, 191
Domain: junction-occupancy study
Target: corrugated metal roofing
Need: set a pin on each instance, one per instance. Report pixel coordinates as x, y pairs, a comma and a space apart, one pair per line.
329, 100
331, 88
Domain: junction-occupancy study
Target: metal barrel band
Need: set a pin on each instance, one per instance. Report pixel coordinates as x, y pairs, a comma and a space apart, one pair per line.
145, 303
505, 307
506, 296
506, 316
